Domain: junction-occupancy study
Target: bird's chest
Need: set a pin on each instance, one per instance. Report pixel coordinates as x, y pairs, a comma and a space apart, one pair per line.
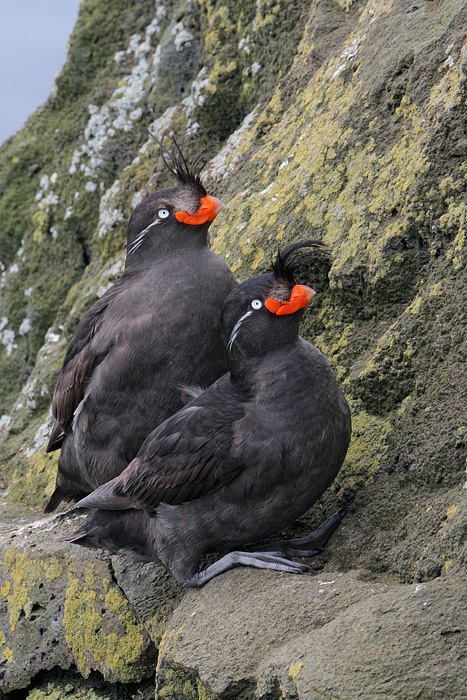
282, 436
160, 314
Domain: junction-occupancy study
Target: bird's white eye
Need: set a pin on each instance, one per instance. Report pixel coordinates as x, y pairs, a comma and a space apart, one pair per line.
256, 304
163, 213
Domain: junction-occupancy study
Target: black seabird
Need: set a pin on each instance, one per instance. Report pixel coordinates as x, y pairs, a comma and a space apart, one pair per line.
157, 328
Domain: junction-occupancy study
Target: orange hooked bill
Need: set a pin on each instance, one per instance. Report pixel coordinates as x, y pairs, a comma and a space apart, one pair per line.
208, 210
299, 298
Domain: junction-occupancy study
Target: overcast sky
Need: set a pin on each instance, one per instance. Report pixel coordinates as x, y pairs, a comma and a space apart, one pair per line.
33, 45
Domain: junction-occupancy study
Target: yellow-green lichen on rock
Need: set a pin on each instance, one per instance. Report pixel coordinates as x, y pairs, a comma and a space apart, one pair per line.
366, 454
24, 573
172, 680
68, 691
101, 630
179, 683
31, 581
33, 485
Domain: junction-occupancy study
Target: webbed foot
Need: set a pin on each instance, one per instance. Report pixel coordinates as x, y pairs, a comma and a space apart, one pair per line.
259, 560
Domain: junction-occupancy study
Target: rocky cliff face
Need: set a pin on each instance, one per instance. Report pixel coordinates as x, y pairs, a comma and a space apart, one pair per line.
344, 121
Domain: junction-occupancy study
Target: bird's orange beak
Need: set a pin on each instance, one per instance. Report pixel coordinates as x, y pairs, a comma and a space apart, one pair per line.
208, 210
299, 298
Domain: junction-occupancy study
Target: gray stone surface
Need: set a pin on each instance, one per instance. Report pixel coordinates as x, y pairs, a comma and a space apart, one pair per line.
408, 642
328, 635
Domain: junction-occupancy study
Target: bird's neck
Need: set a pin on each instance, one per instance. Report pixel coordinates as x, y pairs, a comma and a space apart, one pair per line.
161, 248
246, 369
243, 369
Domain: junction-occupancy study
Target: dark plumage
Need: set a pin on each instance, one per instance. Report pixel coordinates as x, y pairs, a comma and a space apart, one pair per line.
157, 328
246, 457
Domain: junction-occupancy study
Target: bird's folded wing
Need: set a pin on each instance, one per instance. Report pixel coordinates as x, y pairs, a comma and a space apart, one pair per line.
80, 362
188, 456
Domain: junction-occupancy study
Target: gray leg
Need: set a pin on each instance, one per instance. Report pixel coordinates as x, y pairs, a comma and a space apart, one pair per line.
257, 559
310, 545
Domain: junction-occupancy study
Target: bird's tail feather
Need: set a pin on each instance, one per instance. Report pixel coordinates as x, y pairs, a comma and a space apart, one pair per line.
56, 438
106, 498
96, 532
56, 498
126, 532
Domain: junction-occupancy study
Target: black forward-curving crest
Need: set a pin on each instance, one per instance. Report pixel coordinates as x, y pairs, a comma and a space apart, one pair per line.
287, 263
176, 163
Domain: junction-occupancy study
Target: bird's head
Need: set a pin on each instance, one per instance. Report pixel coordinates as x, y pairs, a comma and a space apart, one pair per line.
263, 313
174, 216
